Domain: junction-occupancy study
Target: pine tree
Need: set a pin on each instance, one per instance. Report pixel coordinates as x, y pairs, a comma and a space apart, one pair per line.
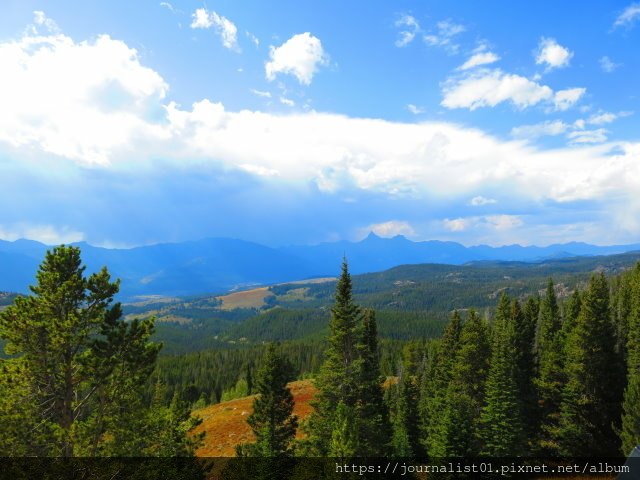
630, 429
436, 379
272, 421
79, 371
350, 376
524, 328
406, 435
372, 412
551, 375
591, 398
501, 426
571, 312
453, 432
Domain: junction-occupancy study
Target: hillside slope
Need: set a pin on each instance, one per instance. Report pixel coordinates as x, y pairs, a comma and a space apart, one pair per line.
225, 424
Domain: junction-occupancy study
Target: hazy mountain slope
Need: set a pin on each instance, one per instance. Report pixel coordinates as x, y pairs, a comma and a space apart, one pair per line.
220, 264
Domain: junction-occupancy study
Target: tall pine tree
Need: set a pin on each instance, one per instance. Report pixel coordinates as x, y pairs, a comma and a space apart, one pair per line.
272, 421
591, 398
453, 432
350, 377
551, 376
75, 382
501, 426
435, 382
630, 429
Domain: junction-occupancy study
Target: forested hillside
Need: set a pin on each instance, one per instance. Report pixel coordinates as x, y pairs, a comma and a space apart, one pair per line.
498, 359
411, 301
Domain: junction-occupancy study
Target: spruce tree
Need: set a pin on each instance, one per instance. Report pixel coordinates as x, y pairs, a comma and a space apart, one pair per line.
630, 429
501, 427
453, 432
406, 435
77, 372
350, 375
435, 382
374, 428
272, 421
591, 398
551, 375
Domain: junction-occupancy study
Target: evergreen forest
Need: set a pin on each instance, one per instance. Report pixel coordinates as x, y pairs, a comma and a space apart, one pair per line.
521, 371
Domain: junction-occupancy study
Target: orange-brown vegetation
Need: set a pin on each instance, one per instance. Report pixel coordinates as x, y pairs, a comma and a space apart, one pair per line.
225, 424
246, 299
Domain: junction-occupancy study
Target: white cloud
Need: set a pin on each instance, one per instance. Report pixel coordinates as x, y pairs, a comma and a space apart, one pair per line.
202, 18
47, 234
483, 58
480, 201
503, 222
260, 93
412, 28
602, 118
628, 17
287, 101
84, 101
388, 229
608, 65
93, 103
168, 6
253, 38
42, 20
487, 88
299, 56
456, 225
588, 136
552, 54
415, 109
445, 31
492, 222
565, 99
530, 132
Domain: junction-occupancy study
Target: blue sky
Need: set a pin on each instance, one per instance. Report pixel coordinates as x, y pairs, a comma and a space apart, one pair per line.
131, 123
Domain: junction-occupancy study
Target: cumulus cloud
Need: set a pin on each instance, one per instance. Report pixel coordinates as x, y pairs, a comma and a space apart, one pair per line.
628, 17
608, 65
300, 56
82, 101
482, 58
225, 28
41, 19
552, 54
487, 88
94, 104
565, 99
410, 29
530, 132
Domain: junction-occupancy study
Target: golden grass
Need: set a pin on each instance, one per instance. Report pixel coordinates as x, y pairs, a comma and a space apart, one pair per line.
247, 299
225, 424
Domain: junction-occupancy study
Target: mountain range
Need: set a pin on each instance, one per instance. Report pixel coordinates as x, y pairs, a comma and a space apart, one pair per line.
222, 264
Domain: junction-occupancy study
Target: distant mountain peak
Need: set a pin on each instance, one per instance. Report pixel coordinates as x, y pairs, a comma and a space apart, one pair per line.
372, 236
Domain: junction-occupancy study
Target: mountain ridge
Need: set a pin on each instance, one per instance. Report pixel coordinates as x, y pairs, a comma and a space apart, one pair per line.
216, 265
